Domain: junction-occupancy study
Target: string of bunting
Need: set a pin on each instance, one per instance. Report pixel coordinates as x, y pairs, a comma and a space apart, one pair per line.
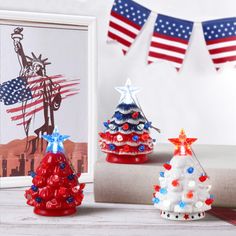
171, 36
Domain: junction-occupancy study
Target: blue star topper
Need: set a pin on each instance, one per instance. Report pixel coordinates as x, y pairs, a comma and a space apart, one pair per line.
55, 141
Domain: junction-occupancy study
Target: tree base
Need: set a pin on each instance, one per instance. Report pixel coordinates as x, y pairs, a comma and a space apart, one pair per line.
58, 212
126, 159
182, 216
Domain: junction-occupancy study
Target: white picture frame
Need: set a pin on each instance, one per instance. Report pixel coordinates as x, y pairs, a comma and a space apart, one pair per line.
67, 21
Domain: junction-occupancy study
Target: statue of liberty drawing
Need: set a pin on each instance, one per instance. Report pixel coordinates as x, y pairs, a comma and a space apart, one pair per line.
32, 92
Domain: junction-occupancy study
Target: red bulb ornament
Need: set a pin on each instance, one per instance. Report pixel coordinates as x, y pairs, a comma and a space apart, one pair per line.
135, 115
209, 201
126, 148
125, 127
189, 194
167, 166
63, 192
39, 181
30, 194
203, 178
145, 137
46, 193
157, 188
82, 186
175, 183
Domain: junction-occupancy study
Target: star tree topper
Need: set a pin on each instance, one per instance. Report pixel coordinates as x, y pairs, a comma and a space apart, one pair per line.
182, 144
55, 141
128, 93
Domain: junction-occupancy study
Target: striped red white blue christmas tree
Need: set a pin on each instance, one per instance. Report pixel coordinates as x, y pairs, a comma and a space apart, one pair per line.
126, 138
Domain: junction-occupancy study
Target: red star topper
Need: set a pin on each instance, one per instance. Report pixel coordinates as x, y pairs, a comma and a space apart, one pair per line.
182, 144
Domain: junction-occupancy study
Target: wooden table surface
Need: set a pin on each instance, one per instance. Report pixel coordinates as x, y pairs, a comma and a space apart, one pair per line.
16, 218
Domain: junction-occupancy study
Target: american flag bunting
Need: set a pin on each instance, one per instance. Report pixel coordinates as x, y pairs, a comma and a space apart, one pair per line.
170, 40
126, 21
220, 37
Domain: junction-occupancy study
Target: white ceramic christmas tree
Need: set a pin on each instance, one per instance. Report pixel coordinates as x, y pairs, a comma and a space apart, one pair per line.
183, 193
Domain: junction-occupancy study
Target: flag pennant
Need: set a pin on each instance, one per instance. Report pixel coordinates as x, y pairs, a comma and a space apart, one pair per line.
170, 40
220, 37
126, 21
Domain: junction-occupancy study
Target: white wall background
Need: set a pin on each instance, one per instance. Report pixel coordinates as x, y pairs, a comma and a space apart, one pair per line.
198, 98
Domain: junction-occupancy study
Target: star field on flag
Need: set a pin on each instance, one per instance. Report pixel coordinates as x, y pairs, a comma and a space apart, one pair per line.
220, 37
126, 21
170, 40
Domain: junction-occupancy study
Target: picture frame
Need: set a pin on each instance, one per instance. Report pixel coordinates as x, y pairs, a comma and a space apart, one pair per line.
30, 22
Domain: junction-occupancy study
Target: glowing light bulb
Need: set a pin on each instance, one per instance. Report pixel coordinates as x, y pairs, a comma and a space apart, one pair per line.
182, 150
55, 141
182, 144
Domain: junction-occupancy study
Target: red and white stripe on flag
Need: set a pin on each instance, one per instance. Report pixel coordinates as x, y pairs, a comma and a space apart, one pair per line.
220, 37
22, 112
126, 21
170, 40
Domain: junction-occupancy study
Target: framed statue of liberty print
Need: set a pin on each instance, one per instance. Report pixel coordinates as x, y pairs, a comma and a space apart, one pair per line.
47, 79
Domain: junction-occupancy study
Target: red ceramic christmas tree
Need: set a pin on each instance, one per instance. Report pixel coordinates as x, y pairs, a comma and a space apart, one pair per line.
55, 190
126, 138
